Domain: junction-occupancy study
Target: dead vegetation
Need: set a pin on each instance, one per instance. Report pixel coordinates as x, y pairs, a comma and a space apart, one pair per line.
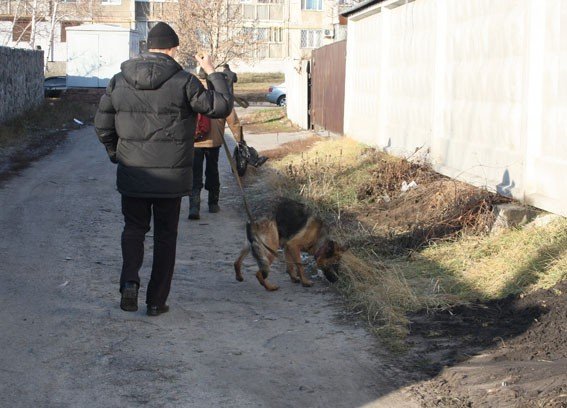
269, 120
37, 132
254, 86
408, 228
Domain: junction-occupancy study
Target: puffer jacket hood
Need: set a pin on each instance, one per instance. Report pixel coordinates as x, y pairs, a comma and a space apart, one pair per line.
146, 120
149, 71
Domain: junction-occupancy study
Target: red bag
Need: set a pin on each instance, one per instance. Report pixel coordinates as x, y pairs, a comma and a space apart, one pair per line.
203, 127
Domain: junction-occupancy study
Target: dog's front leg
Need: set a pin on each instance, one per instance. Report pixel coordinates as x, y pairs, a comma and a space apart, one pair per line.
295, 255
290, 265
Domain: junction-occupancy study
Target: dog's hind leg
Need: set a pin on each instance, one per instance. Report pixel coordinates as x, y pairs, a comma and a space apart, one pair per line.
265, 283
238, 262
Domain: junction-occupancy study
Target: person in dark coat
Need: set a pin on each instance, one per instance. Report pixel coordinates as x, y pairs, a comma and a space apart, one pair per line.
146, 120
231, 77
207, 150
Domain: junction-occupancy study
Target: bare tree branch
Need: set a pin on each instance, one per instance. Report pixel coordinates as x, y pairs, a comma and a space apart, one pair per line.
215, 26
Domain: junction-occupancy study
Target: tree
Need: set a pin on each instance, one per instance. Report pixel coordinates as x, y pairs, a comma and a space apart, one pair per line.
35, 19
216, 27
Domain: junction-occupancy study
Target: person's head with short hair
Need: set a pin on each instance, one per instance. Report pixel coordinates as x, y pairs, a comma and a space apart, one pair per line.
225, 66
162, 38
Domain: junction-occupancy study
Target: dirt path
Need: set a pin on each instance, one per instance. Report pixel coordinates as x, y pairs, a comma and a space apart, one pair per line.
66, 343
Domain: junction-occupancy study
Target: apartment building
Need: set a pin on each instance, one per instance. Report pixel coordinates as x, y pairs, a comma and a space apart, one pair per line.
284, 29
290, 29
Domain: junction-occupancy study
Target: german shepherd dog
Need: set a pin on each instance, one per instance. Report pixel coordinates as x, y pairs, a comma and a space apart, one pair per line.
294, 229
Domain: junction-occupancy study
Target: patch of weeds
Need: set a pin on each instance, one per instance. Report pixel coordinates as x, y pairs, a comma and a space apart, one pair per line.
423, 248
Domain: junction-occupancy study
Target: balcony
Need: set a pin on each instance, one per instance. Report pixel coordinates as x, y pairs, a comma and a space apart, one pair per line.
263, 12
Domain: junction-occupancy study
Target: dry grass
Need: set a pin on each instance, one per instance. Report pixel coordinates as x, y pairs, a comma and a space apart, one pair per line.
423, 248
260, 78
495, 266
254, 87
270, 120
297, 146
52, 115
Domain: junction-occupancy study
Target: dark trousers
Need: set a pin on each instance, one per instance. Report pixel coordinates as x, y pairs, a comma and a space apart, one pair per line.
137, 215
209, 155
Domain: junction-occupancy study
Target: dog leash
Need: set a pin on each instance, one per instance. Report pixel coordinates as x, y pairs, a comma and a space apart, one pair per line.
239, 182
237, 177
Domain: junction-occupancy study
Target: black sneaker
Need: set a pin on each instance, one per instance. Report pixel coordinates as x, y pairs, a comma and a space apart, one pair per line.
129, 301
157, 310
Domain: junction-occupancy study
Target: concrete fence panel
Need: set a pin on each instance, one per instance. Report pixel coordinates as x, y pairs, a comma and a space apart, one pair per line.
480, 86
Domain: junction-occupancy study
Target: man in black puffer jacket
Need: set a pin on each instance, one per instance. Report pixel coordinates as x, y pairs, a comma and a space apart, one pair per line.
146, 121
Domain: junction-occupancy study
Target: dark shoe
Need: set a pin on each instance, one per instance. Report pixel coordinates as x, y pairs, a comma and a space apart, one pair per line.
214, 201
214, 208
129, 301
194, 214
157, 310
195, 205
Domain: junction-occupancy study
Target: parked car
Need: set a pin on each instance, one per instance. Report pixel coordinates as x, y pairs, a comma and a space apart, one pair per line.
276, 94
54, 86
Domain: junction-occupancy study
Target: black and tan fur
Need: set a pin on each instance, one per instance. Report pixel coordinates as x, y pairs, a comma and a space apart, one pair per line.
296, 230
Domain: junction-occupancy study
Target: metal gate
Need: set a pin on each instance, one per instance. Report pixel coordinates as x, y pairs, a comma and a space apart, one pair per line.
327, 92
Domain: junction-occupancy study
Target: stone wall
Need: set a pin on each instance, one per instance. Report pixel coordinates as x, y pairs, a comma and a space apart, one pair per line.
21, 81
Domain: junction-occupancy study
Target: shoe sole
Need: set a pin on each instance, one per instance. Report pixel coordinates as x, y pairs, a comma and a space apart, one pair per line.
129, 301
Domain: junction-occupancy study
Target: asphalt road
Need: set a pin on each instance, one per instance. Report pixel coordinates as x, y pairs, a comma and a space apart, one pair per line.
64, 342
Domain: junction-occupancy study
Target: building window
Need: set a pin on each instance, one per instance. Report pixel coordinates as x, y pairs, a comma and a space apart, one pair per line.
312, 5
276, 34
21, 30
111, 2
142, 10
144, 27
310, 38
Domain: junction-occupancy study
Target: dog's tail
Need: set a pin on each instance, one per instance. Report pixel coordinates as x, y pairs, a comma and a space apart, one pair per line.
249, 233
257, 247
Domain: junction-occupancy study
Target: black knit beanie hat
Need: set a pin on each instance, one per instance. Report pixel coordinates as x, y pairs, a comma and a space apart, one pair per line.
162, 37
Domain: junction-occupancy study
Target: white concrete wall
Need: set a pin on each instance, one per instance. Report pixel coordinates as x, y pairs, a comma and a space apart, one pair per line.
296, 83
480, 85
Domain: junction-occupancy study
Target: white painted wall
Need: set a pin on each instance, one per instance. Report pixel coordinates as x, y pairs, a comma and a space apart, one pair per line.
480, 85
296, 84
95, 53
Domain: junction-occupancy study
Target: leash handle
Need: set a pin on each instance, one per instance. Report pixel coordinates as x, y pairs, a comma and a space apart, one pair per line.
238, 181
